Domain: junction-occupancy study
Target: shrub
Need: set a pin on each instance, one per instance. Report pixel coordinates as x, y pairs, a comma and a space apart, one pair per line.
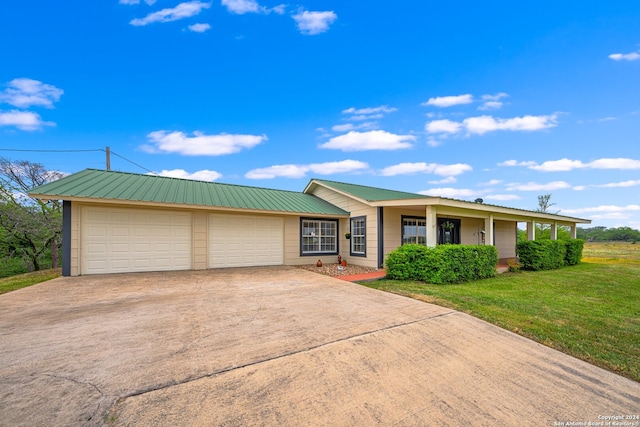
574, 251
514, 265
442, 264
549, 254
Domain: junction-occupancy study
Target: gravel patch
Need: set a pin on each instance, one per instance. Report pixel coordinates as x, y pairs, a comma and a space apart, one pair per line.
332, 269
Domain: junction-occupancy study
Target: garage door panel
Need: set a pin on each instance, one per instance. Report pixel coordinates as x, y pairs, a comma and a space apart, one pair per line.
125, 240
239, 241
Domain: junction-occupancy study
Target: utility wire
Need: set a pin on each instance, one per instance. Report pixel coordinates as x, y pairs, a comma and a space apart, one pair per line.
50, 151
133, 163
79, 151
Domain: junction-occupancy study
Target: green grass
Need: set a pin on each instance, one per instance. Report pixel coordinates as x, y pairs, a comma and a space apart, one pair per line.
590, 311
20, 281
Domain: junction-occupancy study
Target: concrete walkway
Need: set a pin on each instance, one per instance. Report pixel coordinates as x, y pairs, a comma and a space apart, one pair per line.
276, 346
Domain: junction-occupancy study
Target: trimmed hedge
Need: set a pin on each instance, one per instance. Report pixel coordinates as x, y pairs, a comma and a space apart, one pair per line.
442, 264
574, 251
549, 254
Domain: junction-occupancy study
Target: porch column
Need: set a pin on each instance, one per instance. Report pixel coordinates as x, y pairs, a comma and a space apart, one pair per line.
488, 230
432, 226
554, 230
531, 230
574, 231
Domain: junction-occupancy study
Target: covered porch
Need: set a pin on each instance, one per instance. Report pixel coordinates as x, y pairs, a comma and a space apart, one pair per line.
435, 221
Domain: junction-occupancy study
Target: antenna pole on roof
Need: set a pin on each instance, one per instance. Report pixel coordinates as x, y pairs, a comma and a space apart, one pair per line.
108, 152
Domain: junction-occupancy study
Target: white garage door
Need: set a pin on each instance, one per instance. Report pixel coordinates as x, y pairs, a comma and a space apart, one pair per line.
243, 241
118, 240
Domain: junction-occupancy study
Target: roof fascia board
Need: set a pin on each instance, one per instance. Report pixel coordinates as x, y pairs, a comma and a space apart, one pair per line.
87, 200
511, 213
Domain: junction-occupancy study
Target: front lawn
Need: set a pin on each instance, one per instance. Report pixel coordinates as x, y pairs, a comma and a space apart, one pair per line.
590, 311
13, 283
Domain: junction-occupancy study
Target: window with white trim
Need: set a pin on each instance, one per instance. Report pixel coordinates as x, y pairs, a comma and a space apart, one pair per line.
359, 236
414, 230
318, 236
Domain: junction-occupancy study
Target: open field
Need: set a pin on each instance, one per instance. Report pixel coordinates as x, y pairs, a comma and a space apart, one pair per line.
611, 252
590, 311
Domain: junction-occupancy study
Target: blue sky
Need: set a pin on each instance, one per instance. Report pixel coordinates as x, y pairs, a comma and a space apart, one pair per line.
499, 100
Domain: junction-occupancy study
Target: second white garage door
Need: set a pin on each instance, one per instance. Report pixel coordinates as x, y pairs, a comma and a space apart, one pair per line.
243, 241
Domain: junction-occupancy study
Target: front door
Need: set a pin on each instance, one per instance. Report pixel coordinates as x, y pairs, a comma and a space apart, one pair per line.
448, 231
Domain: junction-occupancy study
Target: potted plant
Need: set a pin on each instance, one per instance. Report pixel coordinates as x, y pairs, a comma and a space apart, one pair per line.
347, 235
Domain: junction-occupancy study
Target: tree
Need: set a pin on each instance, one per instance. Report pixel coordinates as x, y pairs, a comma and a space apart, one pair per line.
544, 204
30, 226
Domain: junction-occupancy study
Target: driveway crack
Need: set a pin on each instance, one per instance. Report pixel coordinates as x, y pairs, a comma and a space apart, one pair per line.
86, 383
280, 356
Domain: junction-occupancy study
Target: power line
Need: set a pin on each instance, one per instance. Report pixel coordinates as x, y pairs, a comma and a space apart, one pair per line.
78, 151
50, 151
132, 162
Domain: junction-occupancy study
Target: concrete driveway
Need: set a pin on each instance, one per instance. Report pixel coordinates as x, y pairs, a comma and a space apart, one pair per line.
276, 346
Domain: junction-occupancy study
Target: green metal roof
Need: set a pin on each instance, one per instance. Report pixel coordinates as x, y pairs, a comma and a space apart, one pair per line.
370, 194
110, 185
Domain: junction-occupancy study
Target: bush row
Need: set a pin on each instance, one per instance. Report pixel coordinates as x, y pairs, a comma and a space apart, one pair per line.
549, 254
443, 263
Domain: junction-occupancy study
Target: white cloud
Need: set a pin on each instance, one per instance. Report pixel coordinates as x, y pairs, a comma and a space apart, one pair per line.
199, 28
501, 197
200, 144
496, 97
565, 165
203, 175
350, 126
623, 184
490, 105
533, 186
454, 193
607, 209
491, 182
361, 117
284, 171
447, 180
181, 11
371, 140
24, 120
492, 102
432, 142
132, 2
633, 56
482, 124
23, 93
370, 110
312, 23
299, 171
558, 165
615, 163
240, 7
516, 163
449, 101
422, 167
443, 126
